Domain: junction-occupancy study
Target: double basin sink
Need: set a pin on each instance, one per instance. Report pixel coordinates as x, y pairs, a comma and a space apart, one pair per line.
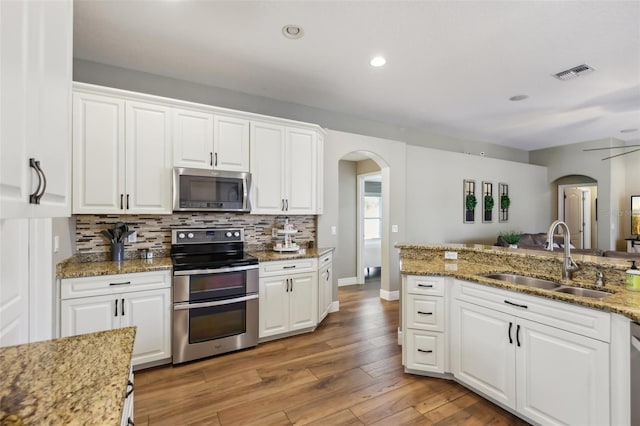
547, 285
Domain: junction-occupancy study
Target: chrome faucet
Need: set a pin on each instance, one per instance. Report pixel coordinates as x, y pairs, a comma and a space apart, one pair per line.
568, 265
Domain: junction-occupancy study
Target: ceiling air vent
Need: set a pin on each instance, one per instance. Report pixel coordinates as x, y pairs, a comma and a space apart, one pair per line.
573, 72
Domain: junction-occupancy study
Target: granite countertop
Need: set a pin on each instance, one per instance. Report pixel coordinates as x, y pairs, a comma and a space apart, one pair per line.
622, 301
73, 380
75, 268
270, 255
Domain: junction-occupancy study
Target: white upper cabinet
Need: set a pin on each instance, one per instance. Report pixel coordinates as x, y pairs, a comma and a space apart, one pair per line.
121, 156
284, 169
231, 144
204, 141
35, 76
192, 139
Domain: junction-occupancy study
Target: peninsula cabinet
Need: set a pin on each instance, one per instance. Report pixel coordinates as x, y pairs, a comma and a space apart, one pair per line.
207, 141
121, 156
108, 302
35, 108
288, 297
548, 361
325, 285
284, 169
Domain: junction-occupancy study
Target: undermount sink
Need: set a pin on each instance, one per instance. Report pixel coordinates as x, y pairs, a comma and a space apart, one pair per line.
524, 280
583, 292
547, 285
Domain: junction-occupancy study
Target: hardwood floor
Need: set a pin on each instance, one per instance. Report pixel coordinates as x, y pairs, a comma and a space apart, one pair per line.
348, 372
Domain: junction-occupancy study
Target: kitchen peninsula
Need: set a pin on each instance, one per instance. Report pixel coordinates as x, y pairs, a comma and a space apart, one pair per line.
82, 379
503, 323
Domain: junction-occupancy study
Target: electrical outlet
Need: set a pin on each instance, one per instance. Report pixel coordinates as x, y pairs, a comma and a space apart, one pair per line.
133, 238
274, 232
56, 244
394, 228
451, 255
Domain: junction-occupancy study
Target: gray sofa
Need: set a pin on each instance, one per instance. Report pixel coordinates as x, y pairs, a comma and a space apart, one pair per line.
538, 242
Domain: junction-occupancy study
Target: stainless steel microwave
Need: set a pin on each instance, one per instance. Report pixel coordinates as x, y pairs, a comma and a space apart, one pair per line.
210, 190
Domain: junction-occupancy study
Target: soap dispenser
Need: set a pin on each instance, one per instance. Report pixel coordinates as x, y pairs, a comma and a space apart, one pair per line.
633, 277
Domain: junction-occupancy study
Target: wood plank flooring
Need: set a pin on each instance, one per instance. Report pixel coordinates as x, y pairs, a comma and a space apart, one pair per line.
348, 372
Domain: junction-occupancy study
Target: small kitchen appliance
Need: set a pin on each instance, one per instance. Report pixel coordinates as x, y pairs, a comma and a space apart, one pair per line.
210, 190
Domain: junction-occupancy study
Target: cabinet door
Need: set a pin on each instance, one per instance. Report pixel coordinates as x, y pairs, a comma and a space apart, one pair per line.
300, 170
323, 302
150, 312
274, 306
231, 144
267, 168
148, 159
192, 139
98, 154
484, 351
35, 108
89, 314
303, 301
562, 377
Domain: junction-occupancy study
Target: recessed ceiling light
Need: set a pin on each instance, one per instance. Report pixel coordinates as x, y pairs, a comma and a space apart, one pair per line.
378, 61
292, 31
628, 130
518, 98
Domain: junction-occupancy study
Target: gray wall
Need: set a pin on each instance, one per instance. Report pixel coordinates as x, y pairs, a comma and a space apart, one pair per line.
345, 265
106, 75
611, 176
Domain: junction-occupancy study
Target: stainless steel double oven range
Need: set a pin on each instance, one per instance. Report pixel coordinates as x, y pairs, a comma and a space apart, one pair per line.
215, 293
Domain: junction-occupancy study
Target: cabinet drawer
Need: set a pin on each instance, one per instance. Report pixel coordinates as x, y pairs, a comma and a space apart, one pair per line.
565, 316
325, 260
418, 284
425, 313
288, 267
72, 288
425, 351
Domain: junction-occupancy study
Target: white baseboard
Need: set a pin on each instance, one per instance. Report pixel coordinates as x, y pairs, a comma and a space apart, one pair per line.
347, 281
335, 306
389, 295
399, 337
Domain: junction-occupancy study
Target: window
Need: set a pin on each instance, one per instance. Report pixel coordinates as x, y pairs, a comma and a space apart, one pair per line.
372, 217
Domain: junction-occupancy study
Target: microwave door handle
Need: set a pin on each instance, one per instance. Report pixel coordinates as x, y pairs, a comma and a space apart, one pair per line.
187, 305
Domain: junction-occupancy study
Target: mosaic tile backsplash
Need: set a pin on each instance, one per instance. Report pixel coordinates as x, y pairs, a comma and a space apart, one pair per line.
154, 231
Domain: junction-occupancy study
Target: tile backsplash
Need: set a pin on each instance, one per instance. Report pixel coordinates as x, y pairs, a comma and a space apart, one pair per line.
154, 231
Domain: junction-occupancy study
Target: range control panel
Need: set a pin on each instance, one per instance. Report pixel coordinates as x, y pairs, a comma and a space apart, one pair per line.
206, 235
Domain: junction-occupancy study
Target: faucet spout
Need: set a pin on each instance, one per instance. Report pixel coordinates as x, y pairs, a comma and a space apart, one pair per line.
568, 265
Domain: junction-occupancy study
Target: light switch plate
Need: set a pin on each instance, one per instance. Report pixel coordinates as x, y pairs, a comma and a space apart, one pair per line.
133, 237
394, 228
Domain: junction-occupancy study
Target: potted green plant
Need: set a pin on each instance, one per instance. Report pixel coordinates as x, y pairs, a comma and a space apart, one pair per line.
505, 201
512, 238
470, 203
488, 207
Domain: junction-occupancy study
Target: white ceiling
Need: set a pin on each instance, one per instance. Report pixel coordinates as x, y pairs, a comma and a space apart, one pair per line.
451, 65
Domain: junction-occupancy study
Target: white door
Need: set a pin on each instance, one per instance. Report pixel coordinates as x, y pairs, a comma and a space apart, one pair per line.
14, 281
89, 314
148, 159
231, 144
267, 168
563, 378
483, 348
150, 312
573, 215
300, 172
303, 303
35, 76
274, 305
192, 139
98, 154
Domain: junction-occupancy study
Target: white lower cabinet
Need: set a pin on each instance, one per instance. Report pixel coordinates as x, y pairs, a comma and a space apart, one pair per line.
549, 375
127, 411
288, 300
107, 302
325, 286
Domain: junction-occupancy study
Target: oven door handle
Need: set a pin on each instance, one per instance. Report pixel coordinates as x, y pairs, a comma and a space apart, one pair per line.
215, 271
187, 305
